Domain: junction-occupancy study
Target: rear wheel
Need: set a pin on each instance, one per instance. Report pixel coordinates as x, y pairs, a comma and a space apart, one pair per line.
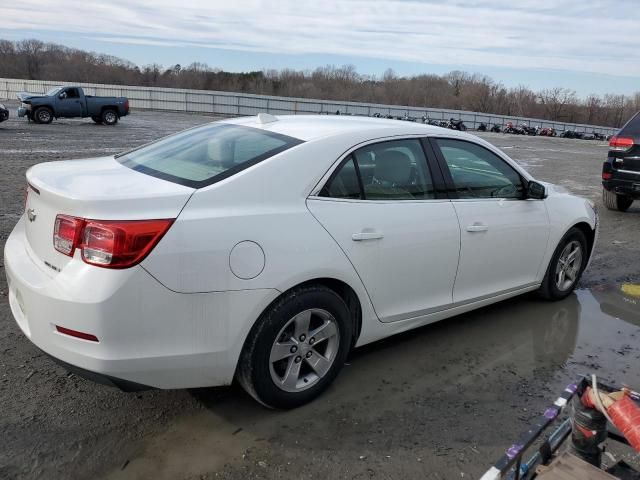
566, 266
98, 120
297, 348
613, 201
43, 115
109, 117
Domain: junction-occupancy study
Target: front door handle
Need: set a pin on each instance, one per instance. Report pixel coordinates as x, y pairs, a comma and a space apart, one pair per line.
366, 235
477, 227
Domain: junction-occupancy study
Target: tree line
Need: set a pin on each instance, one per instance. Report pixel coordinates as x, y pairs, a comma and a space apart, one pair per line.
36, 60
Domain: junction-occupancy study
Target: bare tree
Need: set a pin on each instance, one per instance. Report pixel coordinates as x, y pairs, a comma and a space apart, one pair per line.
33, 59
555, 101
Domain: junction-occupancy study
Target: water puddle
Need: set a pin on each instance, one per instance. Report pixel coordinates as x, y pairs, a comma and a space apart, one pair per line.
433, 388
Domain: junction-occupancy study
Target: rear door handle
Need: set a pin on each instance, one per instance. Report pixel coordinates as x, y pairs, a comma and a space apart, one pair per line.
358, 237
477, 227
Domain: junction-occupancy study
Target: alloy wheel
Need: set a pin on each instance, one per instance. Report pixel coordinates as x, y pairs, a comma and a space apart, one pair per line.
44, 116
304, 350
568, 266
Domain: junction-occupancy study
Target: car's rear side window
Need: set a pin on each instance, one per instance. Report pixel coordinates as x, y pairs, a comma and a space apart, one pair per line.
204, 155
388, 170
632, 127
345, 183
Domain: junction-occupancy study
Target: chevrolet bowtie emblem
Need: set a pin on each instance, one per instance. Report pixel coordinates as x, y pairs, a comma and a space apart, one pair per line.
31, 215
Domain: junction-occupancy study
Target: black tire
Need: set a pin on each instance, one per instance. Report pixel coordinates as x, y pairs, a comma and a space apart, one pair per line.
613, 201
549, 289
98, 120
43, 115
109, 116
254, 370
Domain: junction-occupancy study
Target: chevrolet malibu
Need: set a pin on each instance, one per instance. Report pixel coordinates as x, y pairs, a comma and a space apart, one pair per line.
264, 249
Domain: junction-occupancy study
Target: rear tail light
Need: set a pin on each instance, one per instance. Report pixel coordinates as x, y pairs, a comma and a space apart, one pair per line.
108, 243
621, 144
607, 175
66, 233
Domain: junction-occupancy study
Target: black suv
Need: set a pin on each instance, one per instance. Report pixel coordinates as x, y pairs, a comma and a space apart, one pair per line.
4, 113
621, 171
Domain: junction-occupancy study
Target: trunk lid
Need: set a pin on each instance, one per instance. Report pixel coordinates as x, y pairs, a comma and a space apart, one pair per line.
98, 189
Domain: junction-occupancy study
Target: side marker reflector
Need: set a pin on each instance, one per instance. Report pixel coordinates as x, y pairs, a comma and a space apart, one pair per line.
75, 333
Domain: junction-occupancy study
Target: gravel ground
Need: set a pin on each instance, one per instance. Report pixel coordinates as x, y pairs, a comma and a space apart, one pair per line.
440, 402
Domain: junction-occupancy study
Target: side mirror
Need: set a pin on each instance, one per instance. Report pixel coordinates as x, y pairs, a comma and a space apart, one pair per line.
62, 96
536, 190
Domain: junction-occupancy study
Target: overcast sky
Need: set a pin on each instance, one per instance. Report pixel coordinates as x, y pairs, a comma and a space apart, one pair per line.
587, 45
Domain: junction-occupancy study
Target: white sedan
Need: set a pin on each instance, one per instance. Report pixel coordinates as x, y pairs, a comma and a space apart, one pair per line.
265, 248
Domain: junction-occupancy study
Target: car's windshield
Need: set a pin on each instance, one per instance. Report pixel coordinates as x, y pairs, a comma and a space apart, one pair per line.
204, 155
53, 91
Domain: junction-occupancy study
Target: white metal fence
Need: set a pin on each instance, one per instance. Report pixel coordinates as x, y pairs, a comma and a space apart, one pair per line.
228, 103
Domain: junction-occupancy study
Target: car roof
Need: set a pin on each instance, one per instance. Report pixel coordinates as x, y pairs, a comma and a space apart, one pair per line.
312, 127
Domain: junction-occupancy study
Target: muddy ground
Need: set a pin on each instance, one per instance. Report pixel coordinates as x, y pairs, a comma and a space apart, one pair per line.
441, 402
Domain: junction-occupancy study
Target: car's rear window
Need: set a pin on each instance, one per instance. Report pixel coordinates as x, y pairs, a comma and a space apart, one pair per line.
204, 155
632, 127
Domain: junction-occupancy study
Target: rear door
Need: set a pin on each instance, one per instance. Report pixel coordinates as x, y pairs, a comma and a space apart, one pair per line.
381, 206
503, 235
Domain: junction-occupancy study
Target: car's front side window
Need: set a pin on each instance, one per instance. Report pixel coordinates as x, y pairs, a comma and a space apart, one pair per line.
478, 173
392, 170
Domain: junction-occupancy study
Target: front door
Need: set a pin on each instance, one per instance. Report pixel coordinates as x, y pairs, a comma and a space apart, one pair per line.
69, 103
380, 207
503, 235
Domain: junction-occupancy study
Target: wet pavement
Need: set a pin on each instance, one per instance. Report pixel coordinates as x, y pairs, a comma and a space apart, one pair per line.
440, 402
455, 391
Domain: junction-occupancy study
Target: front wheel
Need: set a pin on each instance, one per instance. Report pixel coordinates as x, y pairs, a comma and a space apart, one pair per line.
566, 266
613, 201
297, 348
43, 115
109, 117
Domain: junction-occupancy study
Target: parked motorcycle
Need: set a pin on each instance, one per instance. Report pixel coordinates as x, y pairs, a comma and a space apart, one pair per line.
548, 132
482, 127
456, 124
572, 134
514, 129
496, 128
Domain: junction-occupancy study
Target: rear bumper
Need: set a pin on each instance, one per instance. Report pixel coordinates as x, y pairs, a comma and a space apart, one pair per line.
629, 186
147, 334
124, 385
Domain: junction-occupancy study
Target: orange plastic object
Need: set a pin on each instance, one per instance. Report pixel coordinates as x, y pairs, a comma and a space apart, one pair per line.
626, 417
